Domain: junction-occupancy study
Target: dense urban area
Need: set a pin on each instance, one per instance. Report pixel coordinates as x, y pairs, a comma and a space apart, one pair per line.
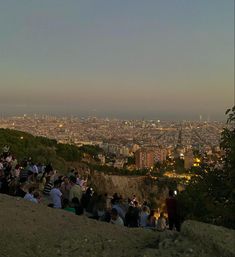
133, 144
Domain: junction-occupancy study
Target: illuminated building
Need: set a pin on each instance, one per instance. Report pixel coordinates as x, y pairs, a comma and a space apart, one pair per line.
144, 158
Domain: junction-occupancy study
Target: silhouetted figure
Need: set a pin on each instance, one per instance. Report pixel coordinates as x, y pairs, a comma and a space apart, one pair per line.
172, 210
132, 217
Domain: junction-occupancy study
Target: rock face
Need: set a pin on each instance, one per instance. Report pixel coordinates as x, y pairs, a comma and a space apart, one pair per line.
31, 230
144, 188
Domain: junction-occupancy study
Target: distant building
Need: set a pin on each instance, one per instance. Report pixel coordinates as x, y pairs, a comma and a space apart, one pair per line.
160, 154
124, 151
144, 158
188, 160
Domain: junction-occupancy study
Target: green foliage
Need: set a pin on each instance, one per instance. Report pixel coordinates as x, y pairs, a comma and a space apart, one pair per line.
92, 150
130, 160
210, 196
40, 149
69, 153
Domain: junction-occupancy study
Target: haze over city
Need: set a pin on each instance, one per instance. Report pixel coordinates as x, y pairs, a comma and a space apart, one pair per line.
125, 59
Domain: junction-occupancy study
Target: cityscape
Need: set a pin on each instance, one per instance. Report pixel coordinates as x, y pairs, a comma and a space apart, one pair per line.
117, 128
147, 141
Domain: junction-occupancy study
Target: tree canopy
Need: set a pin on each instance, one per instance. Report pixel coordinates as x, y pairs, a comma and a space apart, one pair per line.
210, 196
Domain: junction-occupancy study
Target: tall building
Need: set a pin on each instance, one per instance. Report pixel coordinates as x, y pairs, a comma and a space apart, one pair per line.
160, 154
144, 158
188, 160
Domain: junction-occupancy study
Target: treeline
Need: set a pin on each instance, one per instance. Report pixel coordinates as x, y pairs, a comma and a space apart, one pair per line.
44, 150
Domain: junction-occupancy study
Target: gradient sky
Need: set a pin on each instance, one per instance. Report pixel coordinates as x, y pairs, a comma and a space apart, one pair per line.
167, 59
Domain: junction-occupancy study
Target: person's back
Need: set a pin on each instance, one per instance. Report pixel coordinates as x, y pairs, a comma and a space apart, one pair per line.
30, 196
144, 217
86, 197
161, 223
132, 217
118, 207
75, 191
65, 188
48, 186
55, 195
115, 218
151, 220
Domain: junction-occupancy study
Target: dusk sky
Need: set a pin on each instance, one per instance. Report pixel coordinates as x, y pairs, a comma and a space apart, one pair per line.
158, 59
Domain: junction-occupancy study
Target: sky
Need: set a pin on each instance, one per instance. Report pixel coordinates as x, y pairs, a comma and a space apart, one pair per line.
132, 59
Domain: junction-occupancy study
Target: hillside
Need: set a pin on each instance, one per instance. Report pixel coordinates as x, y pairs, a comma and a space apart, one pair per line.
42, 149
29, 230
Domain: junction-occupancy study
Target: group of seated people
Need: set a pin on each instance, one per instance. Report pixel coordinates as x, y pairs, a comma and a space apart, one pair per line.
41, 184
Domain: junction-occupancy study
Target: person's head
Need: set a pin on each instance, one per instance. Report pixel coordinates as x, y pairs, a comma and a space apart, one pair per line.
130, 208
73, 180
57, 184
36, 195
88, 191
145, 203
145, 209
162, 215
152, 212
171, 193
66, 180
76, 174
114, 214
136, 204
31, 189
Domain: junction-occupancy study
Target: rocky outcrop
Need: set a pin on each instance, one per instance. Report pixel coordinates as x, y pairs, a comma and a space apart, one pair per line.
216, 238
31, 230
143, 187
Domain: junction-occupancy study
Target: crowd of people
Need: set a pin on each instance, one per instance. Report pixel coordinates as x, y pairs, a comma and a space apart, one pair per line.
40, 183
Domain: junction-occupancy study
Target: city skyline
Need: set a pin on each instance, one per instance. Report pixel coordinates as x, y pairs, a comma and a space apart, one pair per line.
126, 59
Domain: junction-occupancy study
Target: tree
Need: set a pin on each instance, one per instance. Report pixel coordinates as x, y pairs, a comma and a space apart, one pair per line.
210, 196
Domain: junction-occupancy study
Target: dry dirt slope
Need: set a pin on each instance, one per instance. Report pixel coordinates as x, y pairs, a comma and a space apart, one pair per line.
32, 230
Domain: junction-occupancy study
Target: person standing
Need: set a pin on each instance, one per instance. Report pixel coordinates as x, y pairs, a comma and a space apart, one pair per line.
172, 211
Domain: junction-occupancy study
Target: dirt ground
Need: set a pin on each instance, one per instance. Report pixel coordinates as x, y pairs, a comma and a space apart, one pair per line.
28, 230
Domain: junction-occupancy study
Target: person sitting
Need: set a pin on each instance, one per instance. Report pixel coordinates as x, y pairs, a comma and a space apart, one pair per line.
48, 186
75, 190
65, 188
132, 217
55, 195
115, 218
161, 222
116, 204
29, 196
37, 197
151, 220
144, 217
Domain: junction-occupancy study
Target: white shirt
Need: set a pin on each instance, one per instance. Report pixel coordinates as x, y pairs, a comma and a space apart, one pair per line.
118, 221
55, 195
30, 198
